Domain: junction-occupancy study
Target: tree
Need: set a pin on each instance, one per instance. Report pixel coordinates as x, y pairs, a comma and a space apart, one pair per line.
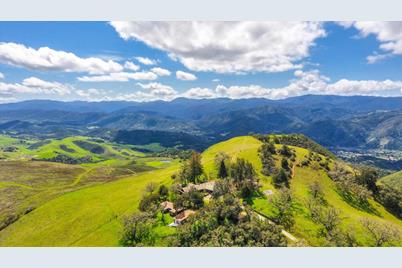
241, 170
381, 233
163, 191
195, 167
248, 187
391, 199
266, 152
283, 204
222, 173
268, 147
150, 187
137, 230
330, 219
281, 178
192, 169
184, 173
191, 199
286, 151
368, 177
285, 164
316, 190
149, 203
222, 187
219, 157
227, 210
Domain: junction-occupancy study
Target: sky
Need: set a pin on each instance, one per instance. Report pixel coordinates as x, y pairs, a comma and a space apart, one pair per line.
146, 61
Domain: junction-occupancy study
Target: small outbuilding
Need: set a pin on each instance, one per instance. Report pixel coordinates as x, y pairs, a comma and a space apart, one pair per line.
182, 216
203, 187
168, 207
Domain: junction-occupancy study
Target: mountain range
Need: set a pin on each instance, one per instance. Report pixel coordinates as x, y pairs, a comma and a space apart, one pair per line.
333, 121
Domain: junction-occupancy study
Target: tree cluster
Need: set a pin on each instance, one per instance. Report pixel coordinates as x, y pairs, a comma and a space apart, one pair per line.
283, 207
191, 170
244, 177
221, 224
152, 197
391, 199
350, 186
266, 153
192, 199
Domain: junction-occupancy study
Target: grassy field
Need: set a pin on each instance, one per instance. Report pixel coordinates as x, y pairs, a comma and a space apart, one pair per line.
393, 180
73, 147
87, 217
92, 216
26, 185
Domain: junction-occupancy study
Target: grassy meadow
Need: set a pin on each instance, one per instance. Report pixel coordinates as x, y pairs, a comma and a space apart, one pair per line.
83, 205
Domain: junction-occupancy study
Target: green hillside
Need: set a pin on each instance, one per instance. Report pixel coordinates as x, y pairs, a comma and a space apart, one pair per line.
92, 216
72, 148
393, 180
247, 147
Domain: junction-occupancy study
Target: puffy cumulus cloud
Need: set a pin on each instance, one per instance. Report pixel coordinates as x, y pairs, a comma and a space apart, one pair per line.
228, 47
146, 61
239, 92
159, 90
131, 66
35, 85
305, 82
160, 71
47, 59
388, 33
312, 82
199, 93
185, 76
47, 87
119, 77
363, 87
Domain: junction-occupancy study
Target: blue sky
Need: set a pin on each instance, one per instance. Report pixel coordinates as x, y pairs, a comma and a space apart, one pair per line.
97, 61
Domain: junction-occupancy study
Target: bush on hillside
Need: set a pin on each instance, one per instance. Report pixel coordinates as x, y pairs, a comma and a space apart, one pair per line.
302, 141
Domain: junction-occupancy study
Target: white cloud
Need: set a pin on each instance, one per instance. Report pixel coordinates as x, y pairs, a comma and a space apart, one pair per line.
216, 80
363, 87
94, 94
159, 90
160, 71
35, 85
371, 59
239, 92
312, 82
185, 76
228, 47
146, 61
1, 76
119, 77
305, 82
131, 66
199, 93
48, 59
388, 33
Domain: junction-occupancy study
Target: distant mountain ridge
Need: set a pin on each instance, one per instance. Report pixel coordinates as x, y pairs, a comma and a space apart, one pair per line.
334, 121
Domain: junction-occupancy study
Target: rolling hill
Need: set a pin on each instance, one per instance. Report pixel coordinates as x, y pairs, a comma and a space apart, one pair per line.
92, 216
339, 123
393, 180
